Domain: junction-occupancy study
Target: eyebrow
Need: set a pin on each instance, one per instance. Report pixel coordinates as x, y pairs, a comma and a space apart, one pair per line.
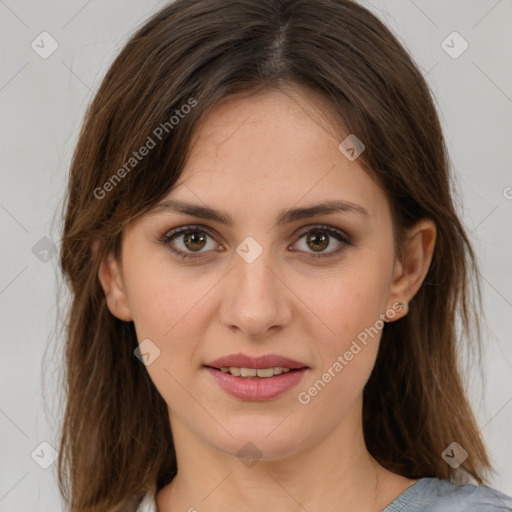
284, 216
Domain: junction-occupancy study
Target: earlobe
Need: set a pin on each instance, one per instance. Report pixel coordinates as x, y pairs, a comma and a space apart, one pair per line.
110, 277
411, 271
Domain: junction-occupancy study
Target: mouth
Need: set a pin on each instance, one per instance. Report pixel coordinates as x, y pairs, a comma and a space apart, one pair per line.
256, 378
256, 373
246, 365
256, 384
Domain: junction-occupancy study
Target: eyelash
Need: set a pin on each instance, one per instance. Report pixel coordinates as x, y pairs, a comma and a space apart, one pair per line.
167, 238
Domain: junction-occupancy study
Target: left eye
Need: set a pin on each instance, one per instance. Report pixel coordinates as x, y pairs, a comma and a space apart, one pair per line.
194, 238
319, 238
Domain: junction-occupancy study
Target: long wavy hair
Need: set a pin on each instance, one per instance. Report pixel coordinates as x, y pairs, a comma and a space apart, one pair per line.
116, 441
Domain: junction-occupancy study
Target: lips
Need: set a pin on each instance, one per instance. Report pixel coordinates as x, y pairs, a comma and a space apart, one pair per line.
241, 360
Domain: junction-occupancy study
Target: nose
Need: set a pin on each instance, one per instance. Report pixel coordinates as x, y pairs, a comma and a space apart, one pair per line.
256, 300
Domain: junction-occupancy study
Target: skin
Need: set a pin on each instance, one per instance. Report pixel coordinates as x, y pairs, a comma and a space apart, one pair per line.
253, 157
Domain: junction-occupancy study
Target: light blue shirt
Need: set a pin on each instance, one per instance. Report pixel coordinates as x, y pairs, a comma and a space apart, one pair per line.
434, 495
426, 495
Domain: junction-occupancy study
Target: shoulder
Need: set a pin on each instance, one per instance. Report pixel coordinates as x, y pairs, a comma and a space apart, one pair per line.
434, 495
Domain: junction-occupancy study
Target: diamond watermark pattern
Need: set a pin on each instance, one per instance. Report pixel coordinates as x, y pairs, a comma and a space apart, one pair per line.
249, 454
147, 352
351, 147
454, 45
44, 45
44, 455
249, 250
454, 455
44, 249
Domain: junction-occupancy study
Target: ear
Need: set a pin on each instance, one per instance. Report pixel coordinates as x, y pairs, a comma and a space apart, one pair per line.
410, 271
111, 279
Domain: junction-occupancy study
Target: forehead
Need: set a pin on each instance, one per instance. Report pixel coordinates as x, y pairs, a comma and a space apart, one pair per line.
270, 150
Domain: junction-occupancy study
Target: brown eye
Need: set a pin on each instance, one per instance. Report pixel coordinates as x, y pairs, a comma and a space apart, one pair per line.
187, 240
317, 241
194, 240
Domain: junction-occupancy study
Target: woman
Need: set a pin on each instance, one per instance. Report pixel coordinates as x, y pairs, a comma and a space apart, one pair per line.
266, 268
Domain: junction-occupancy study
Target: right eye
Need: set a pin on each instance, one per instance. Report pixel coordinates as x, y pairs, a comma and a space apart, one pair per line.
192, 239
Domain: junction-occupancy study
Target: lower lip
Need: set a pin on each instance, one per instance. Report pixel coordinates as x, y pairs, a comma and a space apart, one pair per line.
257, 389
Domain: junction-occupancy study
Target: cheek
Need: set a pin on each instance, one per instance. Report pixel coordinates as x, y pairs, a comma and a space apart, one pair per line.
348, 300
165, 299
167, 305
349, 305
167, 310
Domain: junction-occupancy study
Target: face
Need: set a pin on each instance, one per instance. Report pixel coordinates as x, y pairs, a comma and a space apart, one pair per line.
306, 288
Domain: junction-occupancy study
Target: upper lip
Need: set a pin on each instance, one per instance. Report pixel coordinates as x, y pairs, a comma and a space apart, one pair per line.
241, 360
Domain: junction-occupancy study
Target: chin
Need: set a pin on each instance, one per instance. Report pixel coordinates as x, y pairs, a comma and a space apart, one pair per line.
254, 443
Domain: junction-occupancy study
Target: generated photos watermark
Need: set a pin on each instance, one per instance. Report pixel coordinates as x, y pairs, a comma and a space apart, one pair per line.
305, 397
159, 133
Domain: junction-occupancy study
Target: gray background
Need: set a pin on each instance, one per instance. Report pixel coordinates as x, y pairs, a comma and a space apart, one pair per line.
42, 102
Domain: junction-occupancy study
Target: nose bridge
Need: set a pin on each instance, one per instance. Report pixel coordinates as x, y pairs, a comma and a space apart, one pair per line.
255, 300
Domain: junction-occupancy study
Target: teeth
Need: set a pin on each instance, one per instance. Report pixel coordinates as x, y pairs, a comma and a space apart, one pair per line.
247, 372
253, 372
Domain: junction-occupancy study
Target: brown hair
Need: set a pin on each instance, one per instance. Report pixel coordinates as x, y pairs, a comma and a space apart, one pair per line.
116, 438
